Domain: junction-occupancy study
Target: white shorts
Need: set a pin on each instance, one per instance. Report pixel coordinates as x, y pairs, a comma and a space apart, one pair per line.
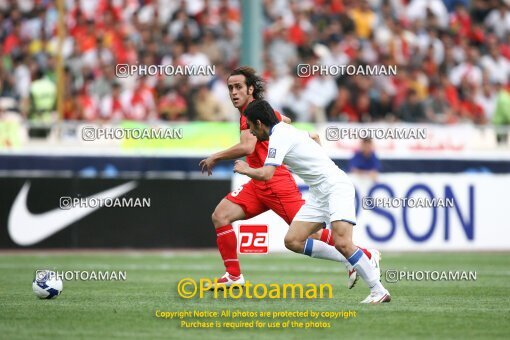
329, 202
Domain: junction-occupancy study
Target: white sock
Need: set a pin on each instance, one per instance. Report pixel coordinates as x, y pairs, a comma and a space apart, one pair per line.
322, 250
364, 269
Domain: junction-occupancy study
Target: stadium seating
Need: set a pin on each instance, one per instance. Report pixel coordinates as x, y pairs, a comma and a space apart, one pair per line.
459, 47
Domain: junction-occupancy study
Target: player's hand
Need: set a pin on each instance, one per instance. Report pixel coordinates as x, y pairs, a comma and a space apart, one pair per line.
315, 137
241, 167
207, 164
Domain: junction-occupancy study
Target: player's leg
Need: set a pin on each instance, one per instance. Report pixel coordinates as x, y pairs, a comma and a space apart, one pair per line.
307, 221
299, 241
225, 213
325, 235
241, 203
285, 200
293, 210
298, 234
319, 250
342, 233
343, 218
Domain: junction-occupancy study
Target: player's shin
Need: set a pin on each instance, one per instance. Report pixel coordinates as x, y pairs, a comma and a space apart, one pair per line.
327, 237
321, 250
361, 263
227, 245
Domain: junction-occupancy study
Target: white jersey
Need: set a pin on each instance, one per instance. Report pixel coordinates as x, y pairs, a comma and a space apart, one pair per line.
302, 155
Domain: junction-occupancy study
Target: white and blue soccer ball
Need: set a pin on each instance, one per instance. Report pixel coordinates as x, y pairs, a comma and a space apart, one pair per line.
47, 285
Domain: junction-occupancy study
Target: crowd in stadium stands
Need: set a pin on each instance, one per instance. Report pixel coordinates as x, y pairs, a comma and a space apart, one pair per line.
453, 59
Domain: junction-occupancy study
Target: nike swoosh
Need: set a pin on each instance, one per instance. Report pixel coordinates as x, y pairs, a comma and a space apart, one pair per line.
26, 229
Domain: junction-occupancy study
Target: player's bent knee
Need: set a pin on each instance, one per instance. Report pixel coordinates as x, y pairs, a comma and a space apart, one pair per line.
219, 218
295, 245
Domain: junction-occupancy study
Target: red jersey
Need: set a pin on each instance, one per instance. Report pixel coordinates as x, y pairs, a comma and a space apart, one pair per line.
279, 194
258, 157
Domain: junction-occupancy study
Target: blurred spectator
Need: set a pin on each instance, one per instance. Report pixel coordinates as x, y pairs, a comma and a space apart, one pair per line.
453, 46
437, 107
281, 51
12, 41
210, 48
470, 110
112, 107
433, 10
172, 106
496, 66
498, 20
89, 107
139, 102
467, 70
43, 94
412, 110
460, 21
295, 106
502, 112
381, 107
486, 99
364, 19
22, 80
365, 161
6, 83
342, 109
72, 109
183, 26
319, 92
419, 83
207, 107
194, 57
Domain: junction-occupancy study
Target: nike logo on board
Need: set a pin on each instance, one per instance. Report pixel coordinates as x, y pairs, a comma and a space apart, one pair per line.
26, 229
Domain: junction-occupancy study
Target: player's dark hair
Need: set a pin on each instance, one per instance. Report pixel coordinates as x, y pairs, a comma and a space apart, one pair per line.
261, 110
252, 79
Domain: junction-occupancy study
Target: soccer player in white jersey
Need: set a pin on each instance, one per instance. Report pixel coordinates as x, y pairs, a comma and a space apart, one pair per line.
332, 193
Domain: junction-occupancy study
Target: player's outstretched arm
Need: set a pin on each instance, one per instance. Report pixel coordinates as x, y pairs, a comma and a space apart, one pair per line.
241, 149
260, 174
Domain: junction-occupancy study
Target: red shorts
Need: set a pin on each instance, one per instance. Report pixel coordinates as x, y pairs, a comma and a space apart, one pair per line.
284, 199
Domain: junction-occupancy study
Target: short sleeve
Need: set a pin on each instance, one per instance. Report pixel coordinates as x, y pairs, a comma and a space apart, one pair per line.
278, 147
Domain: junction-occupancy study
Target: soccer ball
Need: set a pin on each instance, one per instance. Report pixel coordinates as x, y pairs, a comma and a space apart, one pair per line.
46, 284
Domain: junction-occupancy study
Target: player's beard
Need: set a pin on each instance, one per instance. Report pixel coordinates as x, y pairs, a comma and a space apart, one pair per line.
264, 136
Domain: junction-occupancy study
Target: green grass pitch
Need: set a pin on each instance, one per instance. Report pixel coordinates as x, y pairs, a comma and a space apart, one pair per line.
104, 310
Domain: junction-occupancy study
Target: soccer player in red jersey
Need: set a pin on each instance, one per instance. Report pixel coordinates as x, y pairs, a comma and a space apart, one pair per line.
279, 194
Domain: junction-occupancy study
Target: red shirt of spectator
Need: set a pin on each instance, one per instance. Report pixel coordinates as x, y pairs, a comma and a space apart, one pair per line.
11, 42
89, 107
296, 35
472, 111
452, 96
141, 104
460, 21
